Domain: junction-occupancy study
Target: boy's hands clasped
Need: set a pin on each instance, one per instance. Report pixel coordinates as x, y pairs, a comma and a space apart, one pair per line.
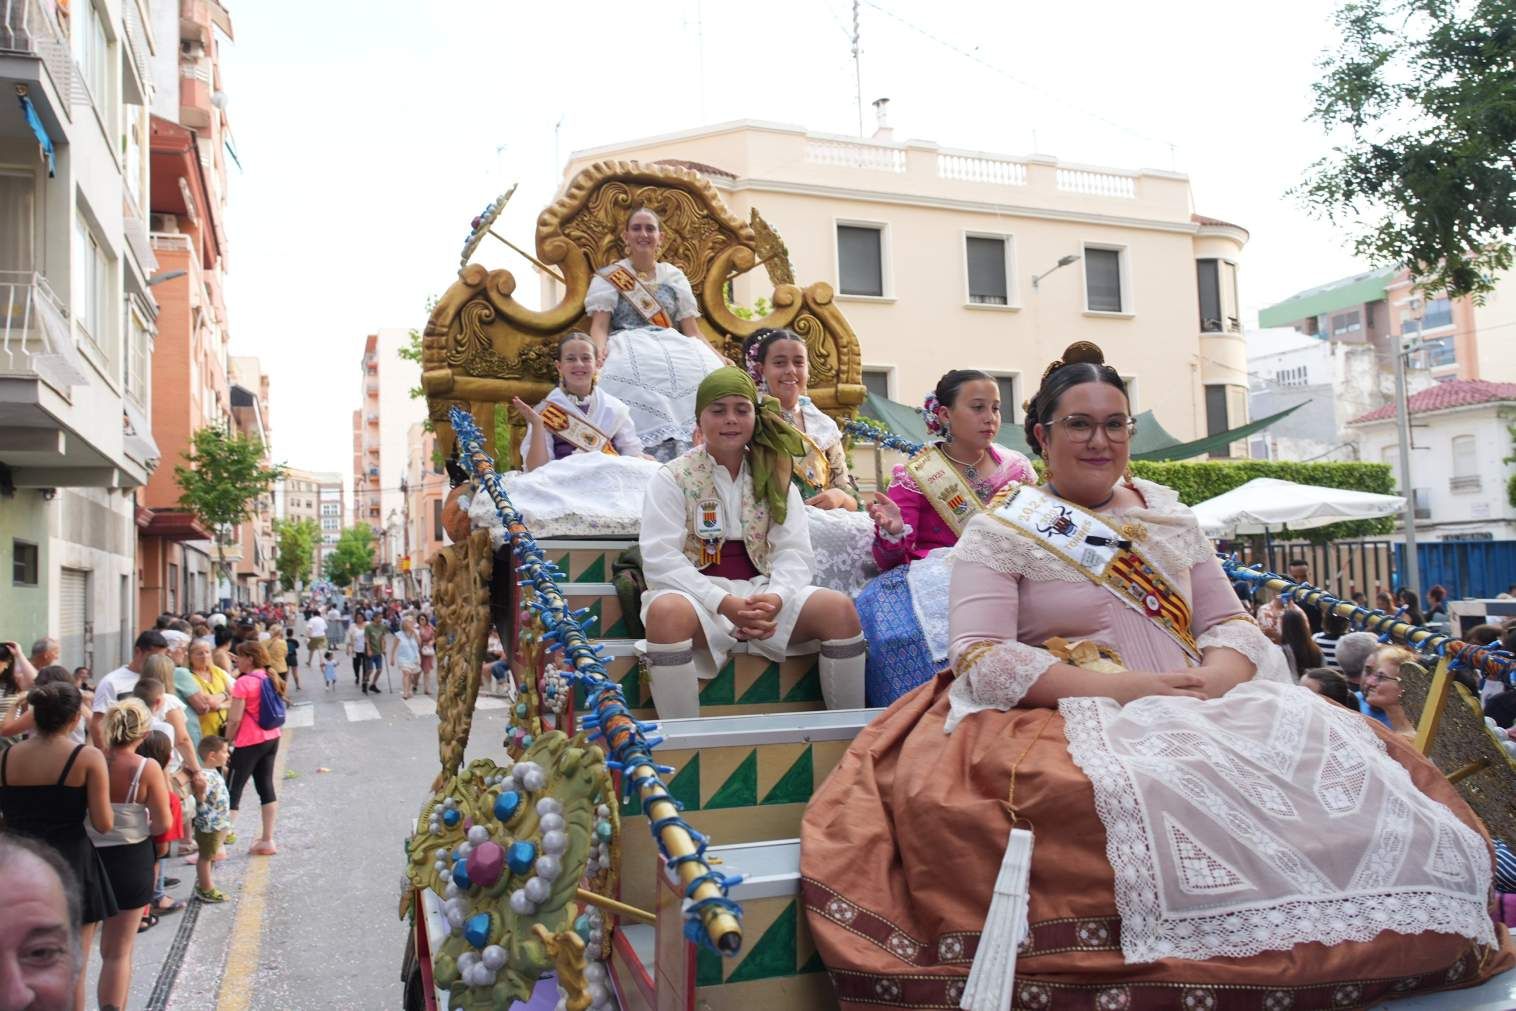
755, 617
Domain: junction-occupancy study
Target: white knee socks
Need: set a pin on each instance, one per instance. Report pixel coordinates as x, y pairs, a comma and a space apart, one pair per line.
671, 673
842, 662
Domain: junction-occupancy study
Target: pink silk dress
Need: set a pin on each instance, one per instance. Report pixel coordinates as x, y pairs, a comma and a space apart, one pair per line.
925, 530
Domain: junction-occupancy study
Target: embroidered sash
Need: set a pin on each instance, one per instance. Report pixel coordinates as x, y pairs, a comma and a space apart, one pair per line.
945, 488
1102, 555
637, 293
574, 429
813, 467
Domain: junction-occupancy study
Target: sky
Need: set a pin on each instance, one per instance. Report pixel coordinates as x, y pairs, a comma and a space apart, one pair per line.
370, 133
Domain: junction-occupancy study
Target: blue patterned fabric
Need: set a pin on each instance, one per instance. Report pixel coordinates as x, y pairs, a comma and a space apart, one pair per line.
1505, 867
898, 658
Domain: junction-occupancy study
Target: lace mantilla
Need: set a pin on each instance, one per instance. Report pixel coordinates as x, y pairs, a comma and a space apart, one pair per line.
1248, 639
1209, 865
993, 676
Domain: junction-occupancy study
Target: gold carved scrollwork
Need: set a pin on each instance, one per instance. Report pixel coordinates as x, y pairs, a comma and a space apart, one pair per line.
461, 594
481, 347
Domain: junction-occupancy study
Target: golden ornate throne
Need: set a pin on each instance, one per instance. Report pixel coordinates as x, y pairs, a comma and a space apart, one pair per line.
481, 347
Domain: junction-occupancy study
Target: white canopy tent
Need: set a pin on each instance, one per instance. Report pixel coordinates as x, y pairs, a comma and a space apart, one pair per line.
1269, 505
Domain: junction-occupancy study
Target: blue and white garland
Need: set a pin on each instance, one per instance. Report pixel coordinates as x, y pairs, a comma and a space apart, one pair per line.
627, 744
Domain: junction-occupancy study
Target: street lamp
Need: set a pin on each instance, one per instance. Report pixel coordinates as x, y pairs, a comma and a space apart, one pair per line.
1415, 309
1063, 261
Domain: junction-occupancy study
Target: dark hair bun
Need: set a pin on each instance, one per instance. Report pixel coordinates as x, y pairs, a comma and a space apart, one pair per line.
1082, 362
55, 706
948, 386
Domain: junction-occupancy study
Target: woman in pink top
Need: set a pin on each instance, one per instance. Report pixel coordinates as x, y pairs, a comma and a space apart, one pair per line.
254, 748
904, 610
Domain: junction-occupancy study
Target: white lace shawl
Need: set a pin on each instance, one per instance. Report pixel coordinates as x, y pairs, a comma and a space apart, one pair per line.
998, 678
822, 430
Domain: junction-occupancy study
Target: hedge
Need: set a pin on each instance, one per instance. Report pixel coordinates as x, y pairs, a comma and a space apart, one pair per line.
1197, 481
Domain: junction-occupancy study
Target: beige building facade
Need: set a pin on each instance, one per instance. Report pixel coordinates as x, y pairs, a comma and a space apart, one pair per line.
315, 496
945, 259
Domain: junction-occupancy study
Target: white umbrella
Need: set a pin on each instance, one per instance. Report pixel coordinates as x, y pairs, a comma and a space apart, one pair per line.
1267, 504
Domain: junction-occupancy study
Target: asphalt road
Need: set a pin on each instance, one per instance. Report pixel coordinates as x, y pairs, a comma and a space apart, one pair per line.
317, 925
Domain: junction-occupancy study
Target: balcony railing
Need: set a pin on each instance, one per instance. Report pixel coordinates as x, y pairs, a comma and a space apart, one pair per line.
1098, 184
847, 154
981, 169
34, 333
28, 27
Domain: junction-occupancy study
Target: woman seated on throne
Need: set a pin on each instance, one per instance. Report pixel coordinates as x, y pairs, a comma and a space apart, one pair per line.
577, 416
642, 319
1204, 834
929, 503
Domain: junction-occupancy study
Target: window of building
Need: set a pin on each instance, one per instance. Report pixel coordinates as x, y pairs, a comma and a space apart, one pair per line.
173, 587
860, 259
91, 274
1209, 280
1439, 351
1103, 287
1346, 322
25, 564
988, 260
17, 221
1006, 390
1390, 457
1464, 462
138, 378
877, 382
1439, 313
1216, 419
437, 519
92, 49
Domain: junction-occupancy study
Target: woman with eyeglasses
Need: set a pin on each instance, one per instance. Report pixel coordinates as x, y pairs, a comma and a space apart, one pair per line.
917, 521
1382, 691
1200, 825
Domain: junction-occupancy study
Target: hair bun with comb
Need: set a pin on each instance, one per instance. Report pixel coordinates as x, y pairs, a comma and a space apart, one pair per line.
1076, 353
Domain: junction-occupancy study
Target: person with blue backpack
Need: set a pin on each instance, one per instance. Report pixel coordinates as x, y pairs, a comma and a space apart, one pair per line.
252, 725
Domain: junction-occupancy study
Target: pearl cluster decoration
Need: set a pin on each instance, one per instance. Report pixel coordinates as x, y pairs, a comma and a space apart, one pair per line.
480, 226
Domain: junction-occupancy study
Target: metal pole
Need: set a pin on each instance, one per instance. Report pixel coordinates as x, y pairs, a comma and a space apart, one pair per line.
857, 70
1403, 424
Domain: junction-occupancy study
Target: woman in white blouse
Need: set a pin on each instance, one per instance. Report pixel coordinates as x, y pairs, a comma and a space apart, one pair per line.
643, 321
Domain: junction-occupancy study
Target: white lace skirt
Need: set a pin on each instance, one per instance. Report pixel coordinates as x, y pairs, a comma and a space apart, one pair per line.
656, 371
584, 495
842, 549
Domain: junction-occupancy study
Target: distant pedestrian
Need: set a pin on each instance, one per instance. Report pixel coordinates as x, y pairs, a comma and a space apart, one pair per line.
1295, 640
426, 634
292, 654
315, 638
357, 647
278, 662
373, 638
1329, 683
1333, 627
405, 653
329, 670
255, 746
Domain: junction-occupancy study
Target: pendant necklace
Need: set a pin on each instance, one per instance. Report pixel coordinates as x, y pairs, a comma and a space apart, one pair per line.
970, 470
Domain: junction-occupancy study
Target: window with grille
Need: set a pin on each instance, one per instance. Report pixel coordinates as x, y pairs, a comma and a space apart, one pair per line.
1216, 417
1346, 322
1007, 387
988, 269
25, 563
860, 260
877, 382
1208, 278
1102, 280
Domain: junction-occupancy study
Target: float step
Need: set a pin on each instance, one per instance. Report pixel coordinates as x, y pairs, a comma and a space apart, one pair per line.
778, 966
741, 779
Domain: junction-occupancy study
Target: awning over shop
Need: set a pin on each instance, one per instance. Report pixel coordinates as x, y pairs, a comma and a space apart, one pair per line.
1152, 441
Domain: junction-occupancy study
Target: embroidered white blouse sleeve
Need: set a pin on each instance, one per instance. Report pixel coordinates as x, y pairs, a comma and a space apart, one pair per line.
664, 519
683, 293
602, 295
624, 435
790, 550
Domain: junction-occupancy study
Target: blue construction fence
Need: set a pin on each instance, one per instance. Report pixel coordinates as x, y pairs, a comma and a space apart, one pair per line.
1464, 568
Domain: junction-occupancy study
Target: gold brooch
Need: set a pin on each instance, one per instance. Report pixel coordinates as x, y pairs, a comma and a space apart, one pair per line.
1133, 531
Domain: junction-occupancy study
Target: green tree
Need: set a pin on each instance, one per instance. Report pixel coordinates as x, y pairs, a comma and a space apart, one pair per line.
297, 550
1423, 93
225, 476
352, 557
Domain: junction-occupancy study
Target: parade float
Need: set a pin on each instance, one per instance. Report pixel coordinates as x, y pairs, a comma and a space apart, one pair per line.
595, 858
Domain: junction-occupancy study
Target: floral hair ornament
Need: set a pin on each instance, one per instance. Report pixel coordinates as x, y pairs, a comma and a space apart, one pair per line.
754, 365
929, 408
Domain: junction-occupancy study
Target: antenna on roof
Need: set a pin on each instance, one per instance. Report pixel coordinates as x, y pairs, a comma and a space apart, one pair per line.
857, 70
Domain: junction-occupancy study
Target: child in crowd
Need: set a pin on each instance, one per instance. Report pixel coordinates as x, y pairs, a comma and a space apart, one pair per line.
292, 654
159, 747
212, 812
329, 671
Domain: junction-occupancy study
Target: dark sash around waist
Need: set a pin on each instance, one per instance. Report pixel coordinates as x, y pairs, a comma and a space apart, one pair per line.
734, 563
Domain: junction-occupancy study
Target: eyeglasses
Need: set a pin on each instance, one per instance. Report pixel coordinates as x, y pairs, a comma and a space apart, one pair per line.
1376, 678
1081, 427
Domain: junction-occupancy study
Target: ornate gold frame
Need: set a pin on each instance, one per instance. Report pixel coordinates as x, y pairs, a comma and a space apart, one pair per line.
481, 347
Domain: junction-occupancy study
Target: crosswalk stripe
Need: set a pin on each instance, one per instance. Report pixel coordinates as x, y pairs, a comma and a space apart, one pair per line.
361, 710
300, 716
487, 703
420, 705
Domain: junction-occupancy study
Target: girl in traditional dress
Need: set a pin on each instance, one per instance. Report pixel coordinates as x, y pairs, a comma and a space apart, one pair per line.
577, 416
1203, 834
841, 536
726, 555
642, 318
928, 505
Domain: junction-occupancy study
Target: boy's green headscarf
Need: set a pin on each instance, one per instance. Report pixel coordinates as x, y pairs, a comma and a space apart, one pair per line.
774, 446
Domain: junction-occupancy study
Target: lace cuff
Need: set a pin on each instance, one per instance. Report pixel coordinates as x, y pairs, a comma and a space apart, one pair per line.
892, 539
993, 675
1244, 636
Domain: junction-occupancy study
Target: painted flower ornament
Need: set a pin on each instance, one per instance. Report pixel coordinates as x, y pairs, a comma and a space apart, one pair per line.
934, 425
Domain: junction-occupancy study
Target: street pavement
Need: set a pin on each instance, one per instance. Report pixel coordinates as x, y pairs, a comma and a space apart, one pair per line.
317, 925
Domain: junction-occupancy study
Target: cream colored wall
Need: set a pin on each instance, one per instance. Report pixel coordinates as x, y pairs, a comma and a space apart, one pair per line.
924, 324
1495, 330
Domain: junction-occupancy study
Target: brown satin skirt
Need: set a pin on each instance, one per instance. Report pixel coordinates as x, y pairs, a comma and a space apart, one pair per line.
901, 845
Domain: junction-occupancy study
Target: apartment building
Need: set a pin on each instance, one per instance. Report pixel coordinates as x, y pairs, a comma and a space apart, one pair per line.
186, 140
366, 454
252, 550
426, 488
77, 320
945, 258
386, 411
315, 496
